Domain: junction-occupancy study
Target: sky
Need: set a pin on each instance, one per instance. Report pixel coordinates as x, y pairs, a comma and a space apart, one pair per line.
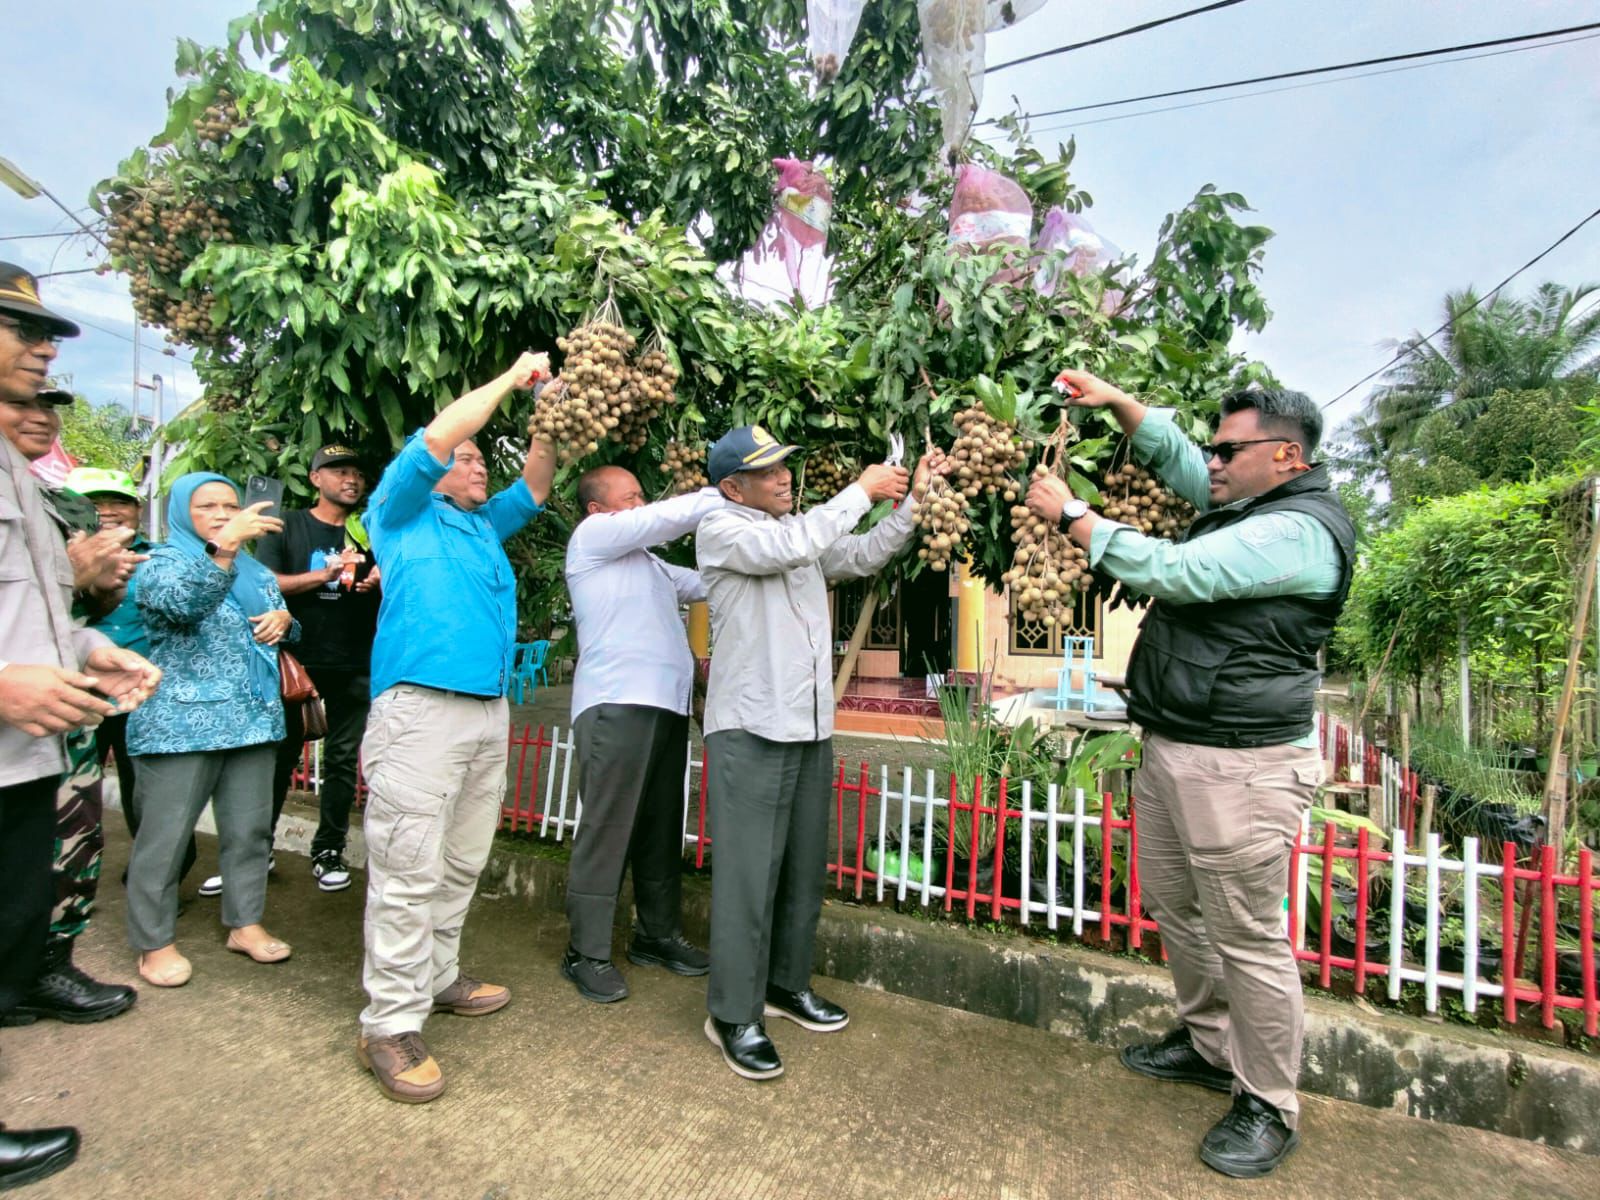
1384, 192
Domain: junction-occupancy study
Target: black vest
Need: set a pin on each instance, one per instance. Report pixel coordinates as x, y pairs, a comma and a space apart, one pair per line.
1241, 672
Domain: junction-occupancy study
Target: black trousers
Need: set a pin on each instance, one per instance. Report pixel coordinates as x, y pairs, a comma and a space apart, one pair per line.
631, 759
769, 847
27, 851
111, 737
346, 697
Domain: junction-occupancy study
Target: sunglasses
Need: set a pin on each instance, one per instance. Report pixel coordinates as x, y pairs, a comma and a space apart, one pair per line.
1226, 450
32, 332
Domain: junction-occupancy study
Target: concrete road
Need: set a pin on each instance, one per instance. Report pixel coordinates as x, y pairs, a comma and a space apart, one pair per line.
245, 1084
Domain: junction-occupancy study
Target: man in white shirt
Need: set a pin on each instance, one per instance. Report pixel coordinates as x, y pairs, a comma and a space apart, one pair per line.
630, 705
769, 726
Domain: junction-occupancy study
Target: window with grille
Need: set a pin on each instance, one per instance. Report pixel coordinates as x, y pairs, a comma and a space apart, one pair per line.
884, 633
1085, 619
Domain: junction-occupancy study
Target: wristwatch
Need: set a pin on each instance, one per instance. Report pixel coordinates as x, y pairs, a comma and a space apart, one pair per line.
215, 551
1071, 511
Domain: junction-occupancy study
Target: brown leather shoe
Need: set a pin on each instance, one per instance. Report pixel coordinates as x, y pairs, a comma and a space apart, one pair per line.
469, 997
406, 1071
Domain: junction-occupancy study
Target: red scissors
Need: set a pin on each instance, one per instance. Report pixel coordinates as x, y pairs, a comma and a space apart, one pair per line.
1066, 387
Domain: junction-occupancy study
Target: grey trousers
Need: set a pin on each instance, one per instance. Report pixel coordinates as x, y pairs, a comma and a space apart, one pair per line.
436, 777
171, 791
769, 830
1215, 827
631, 759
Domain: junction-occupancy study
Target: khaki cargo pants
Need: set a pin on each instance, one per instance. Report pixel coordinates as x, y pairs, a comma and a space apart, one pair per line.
435, 764
1215, 829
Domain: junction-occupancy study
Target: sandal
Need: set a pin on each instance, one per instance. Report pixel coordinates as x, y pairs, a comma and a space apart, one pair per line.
270, 951
174, 974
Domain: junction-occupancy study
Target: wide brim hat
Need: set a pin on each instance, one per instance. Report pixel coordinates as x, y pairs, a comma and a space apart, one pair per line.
19, 293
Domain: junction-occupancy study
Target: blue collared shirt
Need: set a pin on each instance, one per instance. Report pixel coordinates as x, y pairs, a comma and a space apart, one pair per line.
124, 624
449, 614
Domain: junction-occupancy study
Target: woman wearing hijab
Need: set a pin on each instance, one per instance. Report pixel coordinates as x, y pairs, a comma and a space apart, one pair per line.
215, 617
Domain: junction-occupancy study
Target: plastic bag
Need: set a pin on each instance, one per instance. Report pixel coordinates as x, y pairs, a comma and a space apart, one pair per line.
830, 28
1002, 14
1086, 252
953, 48
988, 210
797, 233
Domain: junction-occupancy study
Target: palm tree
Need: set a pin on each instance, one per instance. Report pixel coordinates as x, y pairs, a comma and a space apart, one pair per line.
1480, 349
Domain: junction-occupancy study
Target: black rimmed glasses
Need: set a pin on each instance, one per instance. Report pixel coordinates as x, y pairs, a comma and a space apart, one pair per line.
32, 332
1226, 450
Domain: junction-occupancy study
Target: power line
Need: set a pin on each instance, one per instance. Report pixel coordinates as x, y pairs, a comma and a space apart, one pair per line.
22, 237
1303, 73
1297, 87
188, 362
1111, 37
1413, 347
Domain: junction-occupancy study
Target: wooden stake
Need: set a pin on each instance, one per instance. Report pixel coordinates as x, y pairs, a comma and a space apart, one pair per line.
1555, 780
1425, 826
858, 638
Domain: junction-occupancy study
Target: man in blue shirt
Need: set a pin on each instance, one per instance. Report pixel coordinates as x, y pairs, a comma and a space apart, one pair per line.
435, 745
1223, 681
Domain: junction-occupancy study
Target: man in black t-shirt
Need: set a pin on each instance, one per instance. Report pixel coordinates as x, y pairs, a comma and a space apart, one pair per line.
325, 568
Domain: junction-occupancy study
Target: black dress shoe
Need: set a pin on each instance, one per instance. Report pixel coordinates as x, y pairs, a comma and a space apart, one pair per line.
746, 1049
595, 978
806, 1009
676, 953
64, 993
27, 1155
1175, 1058
1250, 1141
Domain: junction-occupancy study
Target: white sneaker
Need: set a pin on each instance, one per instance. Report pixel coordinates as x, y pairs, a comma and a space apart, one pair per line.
330, 871
213, 885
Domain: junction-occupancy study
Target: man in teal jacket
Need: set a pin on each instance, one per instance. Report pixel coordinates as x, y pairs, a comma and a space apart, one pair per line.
1223, 681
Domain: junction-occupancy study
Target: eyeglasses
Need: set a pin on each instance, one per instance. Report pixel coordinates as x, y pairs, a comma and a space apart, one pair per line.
1226, 450
32, 332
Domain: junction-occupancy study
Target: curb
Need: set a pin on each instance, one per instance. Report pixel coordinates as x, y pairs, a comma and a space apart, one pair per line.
1449, 1073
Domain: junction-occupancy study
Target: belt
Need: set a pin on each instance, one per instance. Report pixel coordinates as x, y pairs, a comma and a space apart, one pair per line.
427, 687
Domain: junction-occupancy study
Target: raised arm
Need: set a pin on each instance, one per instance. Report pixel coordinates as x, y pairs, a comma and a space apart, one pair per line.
603, 536
463, 418
728, 541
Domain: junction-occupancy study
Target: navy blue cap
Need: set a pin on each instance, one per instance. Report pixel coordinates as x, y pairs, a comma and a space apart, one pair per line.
747, 448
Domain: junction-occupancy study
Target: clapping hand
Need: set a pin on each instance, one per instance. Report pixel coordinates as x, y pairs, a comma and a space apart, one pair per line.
129, 679
45, 700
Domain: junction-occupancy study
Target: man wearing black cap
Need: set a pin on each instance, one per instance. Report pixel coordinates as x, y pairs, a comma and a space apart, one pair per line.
327, 575
44, 689
769, 726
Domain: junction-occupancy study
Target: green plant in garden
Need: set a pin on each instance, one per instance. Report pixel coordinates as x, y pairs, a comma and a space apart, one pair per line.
102, 435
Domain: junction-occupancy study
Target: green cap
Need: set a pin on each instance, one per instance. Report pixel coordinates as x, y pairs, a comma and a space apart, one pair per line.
101, 481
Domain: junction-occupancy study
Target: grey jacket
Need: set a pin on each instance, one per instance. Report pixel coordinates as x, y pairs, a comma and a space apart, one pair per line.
36, 628
767, 580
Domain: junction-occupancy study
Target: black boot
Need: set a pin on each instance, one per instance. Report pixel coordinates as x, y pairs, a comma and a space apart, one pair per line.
27, 1155
1250, 1141
65, 993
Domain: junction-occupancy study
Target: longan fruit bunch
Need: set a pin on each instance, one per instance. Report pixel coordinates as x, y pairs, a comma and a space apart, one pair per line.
585, 404
986, 452
828, 473
155, 235
687, 467
219, 120
943, 517
649, 388
1047, 569
1136, 497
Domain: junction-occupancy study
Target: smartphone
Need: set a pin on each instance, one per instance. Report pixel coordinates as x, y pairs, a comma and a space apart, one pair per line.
258, 488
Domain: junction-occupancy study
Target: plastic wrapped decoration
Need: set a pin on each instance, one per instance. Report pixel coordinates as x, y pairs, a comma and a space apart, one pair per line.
988, 210
1086, 252
953, 47
830, 28
797, 233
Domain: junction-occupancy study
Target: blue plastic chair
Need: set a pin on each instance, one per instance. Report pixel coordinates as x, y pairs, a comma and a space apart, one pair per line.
1088, 697
527, 668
